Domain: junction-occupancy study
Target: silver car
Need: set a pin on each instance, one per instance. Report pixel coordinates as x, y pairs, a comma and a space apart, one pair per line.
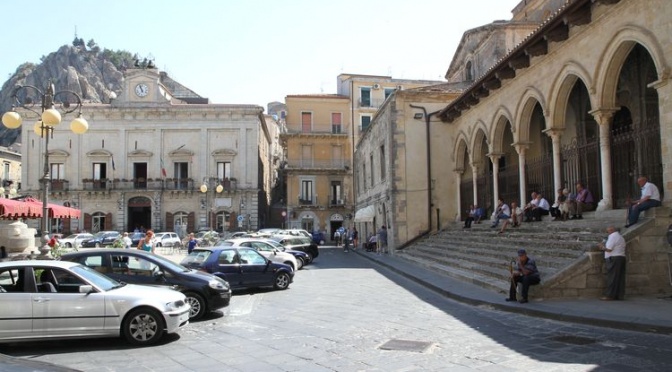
56, 300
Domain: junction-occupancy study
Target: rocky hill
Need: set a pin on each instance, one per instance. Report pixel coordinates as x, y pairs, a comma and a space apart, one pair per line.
85, 69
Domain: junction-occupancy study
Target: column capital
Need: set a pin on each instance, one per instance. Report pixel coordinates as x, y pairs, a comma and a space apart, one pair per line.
494, 156
459, 171
554, 133
521, 147
603, 115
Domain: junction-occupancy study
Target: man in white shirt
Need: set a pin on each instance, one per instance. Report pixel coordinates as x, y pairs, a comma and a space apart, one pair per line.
650, 199
614, 256
501, 213
538, 207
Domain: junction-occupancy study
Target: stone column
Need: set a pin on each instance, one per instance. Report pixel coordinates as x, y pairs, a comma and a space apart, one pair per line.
474, 179
520, 149
458, 194
556, 135
664, 89
603, 118
494, 158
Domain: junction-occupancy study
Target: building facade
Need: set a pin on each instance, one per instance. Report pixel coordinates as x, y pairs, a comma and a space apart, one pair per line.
318, 162
159, 156
10, 171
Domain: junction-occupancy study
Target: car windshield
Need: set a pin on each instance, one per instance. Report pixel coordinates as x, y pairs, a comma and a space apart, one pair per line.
224, 243
73, 236
197, 256
99, 234
92, 276
275, 244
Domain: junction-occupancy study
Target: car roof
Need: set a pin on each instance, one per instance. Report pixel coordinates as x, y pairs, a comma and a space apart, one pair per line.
30, 263
86, 252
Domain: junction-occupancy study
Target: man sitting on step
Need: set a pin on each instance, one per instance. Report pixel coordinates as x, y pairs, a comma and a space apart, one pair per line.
526, 273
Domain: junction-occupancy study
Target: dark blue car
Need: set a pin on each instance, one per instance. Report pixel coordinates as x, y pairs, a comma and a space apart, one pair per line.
241, 267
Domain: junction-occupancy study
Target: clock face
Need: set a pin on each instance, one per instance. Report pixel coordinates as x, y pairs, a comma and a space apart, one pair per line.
141, 90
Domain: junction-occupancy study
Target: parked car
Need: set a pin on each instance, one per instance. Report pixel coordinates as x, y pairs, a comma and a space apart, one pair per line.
318, 237
101, 239
298, 243
206, 238
304, 257
74, 240
203, 291
266, 249
167, 239
136, 237
58, 300
294, 232
241, 267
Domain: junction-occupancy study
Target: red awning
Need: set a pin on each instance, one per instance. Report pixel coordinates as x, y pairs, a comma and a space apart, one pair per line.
17, 209
55, 210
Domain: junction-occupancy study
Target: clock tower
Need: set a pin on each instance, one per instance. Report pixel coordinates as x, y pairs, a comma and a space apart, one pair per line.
142, 87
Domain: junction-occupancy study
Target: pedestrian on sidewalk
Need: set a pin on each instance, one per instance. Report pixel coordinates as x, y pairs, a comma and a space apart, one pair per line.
382, 240
614, 257
127, 241
526, 273
192, 243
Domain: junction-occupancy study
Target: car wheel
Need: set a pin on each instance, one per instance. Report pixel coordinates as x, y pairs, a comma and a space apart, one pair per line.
281, 281
299, 263
143, 326
290, 264
197, 305
314, 253
158, 245
97, 245
68, 245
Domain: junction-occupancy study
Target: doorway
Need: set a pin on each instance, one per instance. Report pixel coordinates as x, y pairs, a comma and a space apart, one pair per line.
139, 213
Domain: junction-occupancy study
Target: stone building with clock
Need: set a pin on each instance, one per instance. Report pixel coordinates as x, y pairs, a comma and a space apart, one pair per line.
159, 156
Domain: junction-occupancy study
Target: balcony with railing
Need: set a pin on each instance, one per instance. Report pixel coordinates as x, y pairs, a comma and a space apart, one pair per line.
307, 201
318, 164
59, 185
321, 129
370, 103
336, 202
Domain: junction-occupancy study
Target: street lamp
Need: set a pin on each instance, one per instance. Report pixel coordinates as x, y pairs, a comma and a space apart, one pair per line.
48, 118
204, 190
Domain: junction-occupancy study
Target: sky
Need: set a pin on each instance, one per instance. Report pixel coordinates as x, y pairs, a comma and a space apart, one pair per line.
255, 51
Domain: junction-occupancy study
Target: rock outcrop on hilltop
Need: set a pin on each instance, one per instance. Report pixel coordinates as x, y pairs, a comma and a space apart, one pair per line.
90, 72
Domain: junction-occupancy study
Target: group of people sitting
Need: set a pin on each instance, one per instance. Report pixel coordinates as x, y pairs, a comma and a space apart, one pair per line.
564, 206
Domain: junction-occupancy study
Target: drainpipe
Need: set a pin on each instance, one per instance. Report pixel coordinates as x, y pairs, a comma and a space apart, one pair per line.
429, 163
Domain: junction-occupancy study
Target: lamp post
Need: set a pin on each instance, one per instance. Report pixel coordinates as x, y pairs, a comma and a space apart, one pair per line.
48, 118
204, 190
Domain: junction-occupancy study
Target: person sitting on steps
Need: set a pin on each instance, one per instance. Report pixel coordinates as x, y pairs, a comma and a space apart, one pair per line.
501, 213
583, 202
537, 208
650, 199
525, 272
516, 217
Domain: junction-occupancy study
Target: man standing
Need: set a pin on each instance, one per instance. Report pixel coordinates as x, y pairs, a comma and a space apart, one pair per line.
127, 241
525, 273
650, 198
382, 240
614, 256
192, 243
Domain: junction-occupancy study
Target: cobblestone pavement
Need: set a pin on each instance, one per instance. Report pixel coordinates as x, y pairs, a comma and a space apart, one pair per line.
341, 313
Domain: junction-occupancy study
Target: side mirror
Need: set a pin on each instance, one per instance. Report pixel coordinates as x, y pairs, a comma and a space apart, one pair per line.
85, 289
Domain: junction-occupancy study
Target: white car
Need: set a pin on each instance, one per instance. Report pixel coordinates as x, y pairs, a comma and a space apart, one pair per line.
57, 300
167, 239
267, 250
74, 240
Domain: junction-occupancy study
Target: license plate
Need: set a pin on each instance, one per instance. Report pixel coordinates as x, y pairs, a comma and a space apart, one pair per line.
184, 317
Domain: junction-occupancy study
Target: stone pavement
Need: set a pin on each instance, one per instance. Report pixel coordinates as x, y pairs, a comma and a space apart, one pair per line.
644, 314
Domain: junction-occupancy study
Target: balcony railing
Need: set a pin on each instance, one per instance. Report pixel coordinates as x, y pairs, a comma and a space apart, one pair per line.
100, 184
317, 164
59, 185
323, 130
335, 202
371, 103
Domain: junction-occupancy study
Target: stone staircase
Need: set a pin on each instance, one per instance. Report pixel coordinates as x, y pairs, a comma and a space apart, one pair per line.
561, 249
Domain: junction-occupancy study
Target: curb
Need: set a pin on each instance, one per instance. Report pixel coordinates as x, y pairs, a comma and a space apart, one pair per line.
606, 323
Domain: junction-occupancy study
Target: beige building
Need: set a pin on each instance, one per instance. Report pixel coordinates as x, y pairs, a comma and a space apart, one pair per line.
10, 171
159, 156
317, 162
566, 91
